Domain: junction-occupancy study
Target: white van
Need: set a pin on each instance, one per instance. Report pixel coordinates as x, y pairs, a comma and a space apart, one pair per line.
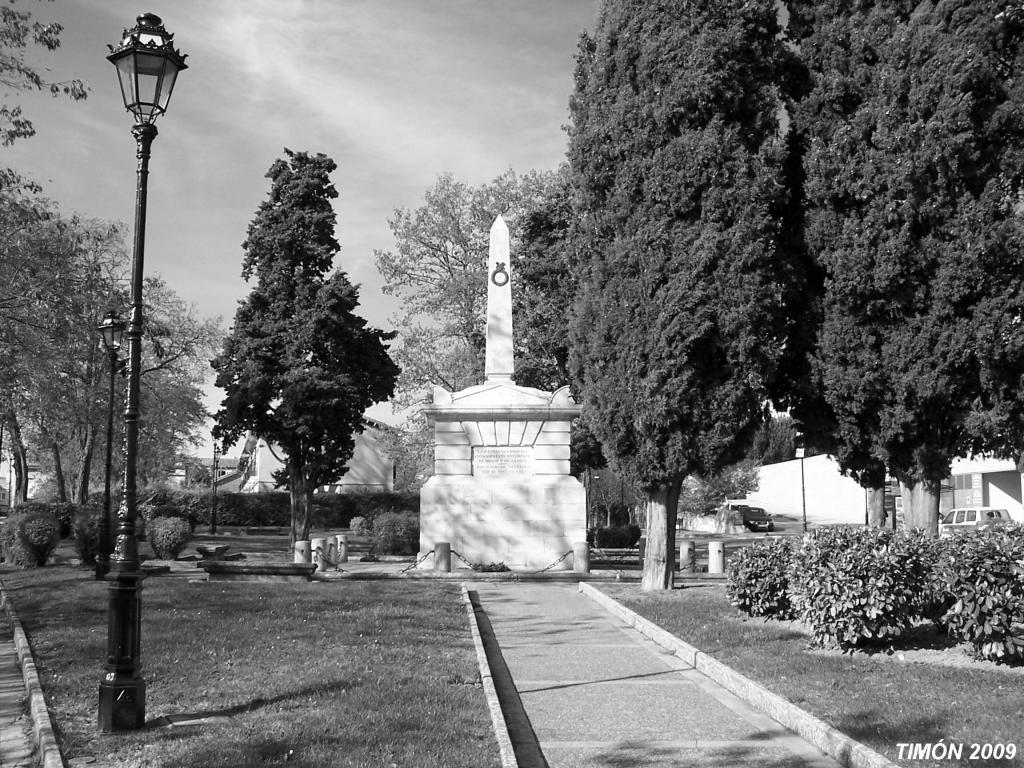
964, 519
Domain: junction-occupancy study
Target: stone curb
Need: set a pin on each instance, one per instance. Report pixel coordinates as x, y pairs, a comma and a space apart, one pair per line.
505, 750
838, 746
42, 726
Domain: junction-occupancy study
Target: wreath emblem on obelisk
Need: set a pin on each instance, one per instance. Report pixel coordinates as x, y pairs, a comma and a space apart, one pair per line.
499, 276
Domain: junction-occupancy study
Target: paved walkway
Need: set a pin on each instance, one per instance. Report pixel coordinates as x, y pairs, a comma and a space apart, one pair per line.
16, 749
593, 692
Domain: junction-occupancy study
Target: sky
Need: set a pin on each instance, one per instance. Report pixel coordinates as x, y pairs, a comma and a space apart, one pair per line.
397, 92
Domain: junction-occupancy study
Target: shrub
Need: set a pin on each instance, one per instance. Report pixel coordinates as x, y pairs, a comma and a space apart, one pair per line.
757, 579
617, 537
168, 536
149, 513
87, 535
360, 526
396, 533
29, 537
984, 572
63, 511
858, 585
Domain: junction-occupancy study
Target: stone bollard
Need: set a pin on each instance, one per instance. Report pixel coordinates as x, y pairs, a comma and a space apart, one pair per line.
443, 556
302, 552
317, 548
342, 548
332, 550
687, 556
716, 557
581, 557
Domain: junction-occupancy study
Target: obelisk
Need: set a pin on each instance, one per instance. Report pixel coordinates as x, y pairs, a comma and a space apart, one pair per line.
499, 363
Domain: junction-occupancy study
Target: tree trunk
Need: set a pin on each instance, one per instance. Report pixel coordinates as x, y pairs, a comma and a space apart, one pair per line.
920, 504
876, 506
660, 556
58, 473
82, 487
301, 494
19, 494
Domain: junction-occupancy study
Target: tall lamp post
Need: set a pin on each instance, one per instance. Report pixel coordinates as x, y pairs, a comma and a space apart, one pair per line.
147, 66
112, 332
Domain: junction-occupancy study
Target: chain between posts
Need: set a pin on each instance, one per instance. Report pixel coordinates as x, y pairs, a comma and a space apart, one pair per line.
319, 552
414, 565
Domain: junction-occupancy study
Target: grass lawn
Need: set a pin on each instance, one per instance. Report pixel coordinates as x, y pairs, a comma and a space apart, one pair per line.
877, 699
322, 674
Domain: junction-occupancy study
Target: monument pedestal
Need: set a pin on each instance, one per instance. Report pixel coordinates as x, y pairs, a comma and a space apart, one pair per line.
501, 490
526, 523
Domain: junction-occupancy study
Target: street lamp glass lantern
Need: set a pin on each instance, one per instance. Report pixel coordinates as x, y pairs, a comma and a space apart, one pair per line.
147, 66
112, 330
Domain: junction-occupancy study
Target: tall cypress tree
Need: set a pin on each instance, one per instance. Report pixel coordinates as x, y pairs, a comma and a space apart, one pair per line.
913, 168
686, 288
300, 367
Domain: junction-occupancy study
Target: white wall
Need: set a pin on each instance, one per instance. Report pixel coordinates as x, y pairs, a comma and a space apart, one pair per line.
831, 497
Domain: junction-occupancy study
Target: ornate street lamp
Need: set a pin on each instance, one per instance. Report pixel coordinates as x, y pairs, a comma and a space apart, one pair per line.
214, 473
147, 67
112, 332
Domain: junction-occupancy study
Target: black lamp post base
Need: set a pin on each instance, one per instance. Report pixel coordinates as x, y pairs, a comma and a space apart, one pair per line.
122, 705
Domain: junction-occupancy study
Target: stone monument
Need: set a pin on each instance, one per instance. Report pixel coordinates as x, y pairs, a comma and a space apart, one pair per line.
501, 490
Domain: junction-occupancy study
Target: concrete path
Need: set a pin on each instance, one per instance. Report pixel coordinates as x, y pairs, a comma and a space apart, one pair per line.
584, 690
16, 747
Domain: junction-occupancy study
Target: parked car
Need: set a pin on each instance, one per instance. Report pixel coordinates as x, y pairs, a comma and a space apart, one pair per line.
751, 517
964, 519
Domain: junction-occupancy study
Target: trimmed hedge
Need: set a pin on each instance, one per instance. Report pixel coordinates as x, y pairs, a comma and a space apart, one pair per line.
253, 510
396, 533
615, 537
29, 536
757, 579
168, 536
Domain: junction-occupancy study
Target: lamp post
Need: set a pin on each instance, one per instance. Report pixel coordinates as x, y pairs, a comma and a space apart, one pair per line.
147, 66
213, 486
112, 332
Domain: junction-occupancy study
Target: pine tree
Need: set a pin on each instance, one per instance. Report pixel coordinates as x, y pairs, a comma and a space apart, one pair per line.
299, 366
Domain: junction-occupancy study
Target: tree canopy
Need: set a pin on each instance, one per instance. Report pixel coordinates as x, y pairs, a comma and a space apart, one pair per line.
913, 175
299, 367
684, 308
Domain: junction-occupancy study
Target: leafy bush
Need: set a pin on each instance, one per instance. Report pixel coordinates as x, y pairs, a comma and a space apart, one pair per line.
149, 513
396, 533
63, 511
87, 534
29, 537
168, 536
985, 574
360, 526
617, 537
757, 579
852, 586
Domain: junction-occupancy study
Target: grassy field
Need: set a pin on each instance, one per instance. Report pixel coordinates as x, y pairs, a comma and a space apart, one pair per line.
933, 692
340, 674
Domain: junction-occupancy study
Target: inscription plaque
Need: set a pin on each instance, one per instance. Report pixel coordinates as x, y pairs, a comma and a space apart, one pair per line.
502, 460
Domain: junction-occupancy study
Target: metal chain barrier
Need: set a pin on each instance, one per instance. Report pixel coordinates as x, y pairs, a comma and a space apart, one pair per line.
629, 554
429, 553
319, 552
549, 567
473, 566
